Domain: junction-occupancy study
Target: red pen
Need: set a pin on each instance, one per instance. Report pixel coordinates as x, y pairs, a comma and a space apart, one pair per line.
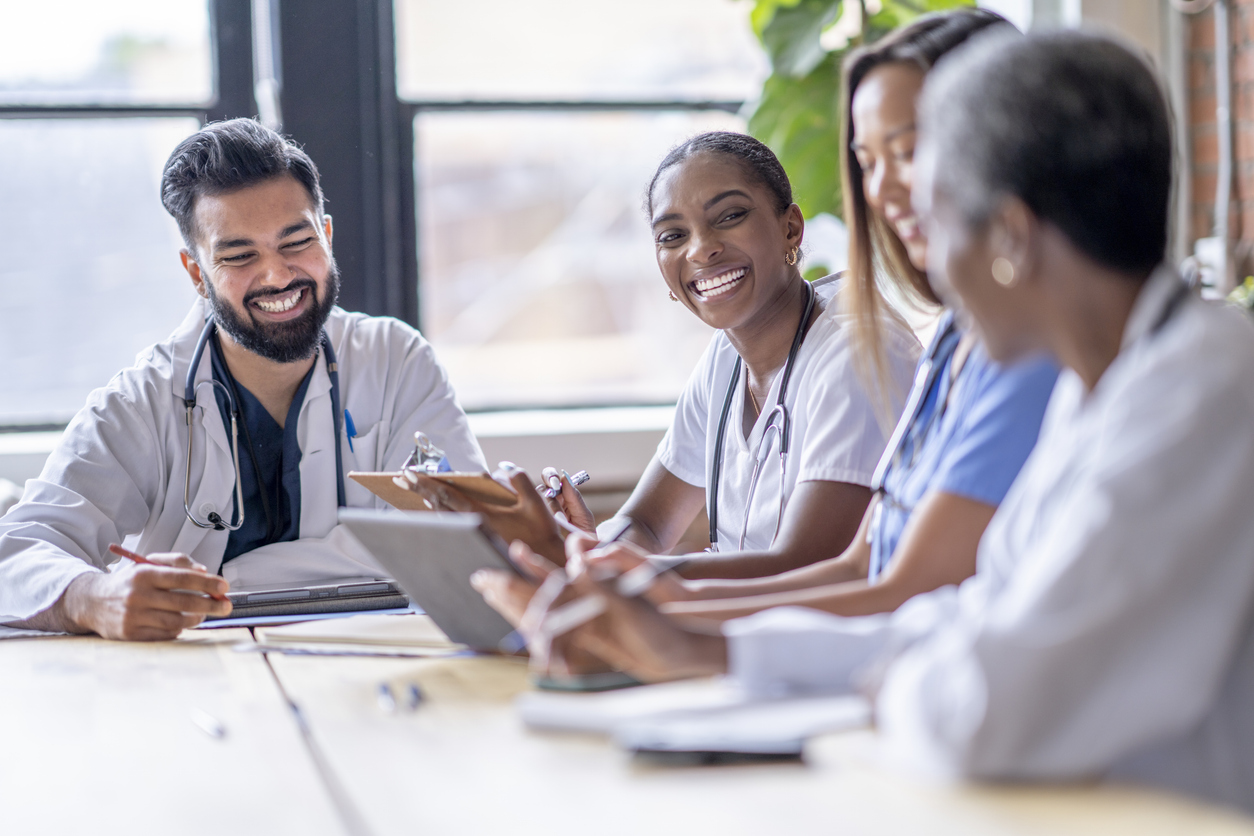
139, 558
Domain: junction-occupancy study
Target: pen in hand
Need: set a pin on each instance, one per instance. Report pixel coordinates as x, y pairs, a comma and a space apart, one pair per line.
555, 484
139, 558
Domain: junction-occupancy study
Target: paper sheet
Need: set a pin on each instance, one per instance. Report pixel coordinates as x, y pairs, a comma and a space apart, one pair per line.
409, 630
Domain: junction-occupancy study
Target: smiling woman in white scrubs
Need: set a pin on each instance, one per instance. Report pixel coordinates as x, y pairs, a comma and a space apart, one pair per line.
1106, 632
727, 236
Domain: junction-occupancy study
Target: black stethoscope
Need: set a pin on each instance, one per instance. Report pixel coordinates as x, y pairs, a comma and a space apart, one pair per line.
778, 421
214, 521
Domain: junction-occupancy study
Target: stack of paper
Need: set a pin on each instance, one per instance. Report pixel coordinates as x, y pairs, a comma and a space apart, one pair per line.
711, 715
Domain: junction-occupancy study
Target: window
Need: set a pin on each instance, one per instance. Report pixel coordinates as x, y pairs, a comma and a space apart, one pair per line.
536, 129
93, 97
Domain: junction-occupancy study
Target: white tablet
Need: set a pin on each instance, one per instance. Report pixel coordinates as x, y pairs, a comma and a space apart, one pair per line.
432, 556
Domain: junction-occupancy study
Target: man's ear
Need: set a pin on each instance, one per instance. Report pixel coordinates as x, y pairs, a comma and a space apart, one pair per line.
326, 228
193, 270
1012, 234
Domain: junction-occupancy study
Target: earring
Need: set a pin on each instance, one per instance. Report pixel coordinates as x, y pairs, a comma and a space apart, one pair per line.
1003, 272
671, 294
790, 258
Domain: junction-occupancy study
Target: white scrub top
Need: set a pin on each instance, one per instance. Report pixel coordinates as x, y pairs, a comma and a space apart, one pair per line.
836, 432
117, 475
1109, 630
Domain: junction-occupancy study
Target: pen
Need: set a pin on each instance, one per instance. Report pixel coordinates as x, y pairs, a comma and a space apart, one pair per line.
208, 724
555, 484
351, 428
387, 701
139, 558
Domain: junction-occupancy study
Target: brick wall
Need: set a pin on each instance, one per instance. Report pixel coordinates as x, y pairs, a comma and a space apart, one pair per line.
1203, 137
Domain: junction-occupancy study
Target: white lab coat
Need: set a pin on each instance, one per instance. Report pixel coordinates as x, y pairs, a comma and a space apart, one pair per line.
1107, 631
118, 473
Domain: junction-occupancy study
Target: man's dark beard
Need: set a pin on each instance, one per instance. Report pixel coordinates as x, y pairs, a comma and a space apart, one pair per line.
282, 342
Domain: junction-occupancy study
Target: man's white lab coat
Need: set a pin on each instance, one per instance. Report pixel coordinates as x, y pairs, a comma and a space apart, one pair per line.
1108, 630
118, 473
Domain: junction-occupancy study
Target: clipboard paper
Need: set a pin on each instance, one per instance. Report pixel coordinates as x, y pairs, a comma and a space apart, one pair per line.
477, 486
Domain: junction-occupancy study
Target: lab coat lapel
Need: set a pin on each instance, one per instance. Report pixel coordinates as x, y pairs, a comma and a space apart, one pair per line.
315, 432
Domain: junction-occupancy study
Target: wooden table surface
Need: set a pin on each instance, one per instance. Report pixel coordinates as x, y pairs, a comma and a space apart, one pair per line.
102, 737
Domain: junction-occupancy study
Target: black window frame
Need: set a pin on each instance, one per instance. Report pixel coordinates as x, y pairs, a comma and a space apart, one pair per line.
339, 100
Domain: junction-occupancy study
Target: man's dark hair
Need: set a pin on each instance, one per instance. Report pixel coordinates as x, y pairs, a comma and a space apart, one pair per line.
757, 161
225, 156
1073, 124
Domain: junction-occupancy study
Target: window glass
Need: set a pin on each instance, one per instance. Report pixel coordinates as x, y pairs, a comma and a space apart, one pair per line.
576, 49
90, 274
538, 282
93, 52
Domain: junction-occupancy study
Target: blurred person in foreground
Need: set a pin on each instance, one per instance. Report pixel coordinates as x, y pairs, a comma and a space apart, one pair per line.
1106, 632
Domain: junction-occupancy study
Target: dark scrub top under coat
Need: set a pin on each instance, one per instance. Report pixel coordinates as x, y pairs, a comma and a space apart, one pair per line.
277, 453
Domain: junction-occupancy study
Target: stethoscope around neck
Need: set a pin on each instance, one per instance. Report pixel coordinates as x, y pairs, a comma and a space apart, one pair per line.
190, 389
778, 423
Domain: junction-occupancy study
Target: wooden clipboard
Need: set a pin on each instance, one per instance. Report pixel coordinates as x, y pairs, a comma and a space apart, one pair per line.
478, 486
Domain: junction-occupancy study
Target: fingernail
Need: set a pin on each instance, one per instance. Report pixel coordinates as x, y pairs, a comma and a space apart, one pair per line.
412, 476
476, 580
555, 483
400, 483
510, 466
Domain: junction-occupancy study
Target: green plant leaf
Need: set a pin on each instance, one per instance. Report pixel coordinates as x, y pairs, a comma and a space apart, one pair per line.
763, 11
791, 38
798, 112
799, 120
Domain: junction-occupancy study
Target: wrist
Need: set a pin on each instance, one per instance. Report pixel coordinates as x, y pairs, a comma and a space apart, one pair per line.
74, 610
701, 654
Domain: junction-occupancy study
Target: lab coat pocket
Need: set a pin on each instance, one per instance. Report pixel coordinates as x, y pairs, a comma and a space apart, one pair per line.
362, 456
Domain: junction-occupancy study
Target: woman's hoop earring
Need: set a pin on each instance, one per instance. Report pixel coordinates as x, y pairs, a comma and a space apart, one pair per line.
791, 257
1003, 271
672, 295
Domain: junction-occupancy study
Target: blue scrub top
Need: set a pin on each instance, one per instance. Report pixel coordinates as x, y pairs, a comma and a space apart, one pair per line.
278, 459
973, 448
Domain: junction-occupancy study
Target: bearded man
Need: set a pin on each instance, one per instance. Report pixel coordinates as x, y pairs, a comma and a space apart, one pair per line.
302, 392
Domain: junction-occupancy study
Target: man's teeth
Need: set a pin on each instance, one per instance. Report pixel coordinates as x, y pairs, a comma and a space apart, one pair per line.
279, 304
718, 284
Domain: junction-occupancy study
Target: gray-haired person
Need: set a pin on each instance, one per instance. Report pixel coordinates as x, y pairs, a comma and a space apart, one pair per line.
1107, 632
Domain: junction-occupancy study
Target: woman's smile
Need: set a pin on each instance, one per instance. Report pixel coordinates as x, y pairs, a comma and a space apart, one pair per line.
717, 282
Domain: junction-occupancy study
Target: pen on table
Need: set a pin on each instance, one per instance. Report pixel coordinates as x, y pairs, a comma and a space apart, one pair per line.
350, 428
208, 724
139, 558
387, 699
555, 484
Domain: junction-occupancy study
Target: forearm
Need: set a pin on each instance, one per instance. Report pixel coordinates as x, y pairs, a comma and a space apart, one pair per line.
824, 573
69, 614
850, 598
